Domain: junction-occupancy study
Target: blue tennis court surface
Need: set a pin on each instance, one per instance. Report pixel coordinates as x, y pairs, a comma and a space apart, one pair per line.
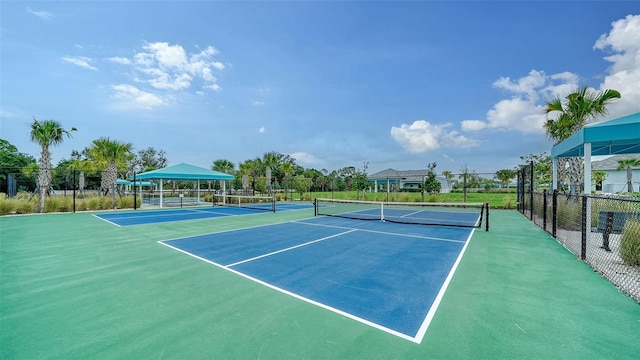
141, 217
390, 276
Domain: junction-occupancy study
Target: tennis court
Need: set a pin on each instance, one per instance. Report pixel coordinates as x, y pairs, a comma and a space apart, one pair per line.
75, 286
386, 275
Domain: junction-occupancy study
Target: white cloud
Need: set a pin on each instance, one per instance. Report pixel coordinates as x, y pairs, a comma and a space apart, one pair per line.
130, 97
170, 67
43, 15
422, 136
81, 61
473, 125
258, 103
160, 68
261, 130
304, 158
624, 74
523, 112
120, 60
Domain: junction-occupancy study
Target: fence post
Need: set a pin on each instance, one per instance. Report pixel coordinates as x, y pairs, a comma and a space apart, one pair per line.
520, 191
531, 190
544, 209
135, 194
73, 185
554, 210
583, 250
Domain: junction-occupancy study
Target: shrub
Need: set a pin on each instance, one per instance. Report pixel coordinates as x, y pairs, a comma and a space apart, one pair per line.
93, 203
106, 202
26, 206
125, 202
51, 204
507, 202
630, 243
7, 206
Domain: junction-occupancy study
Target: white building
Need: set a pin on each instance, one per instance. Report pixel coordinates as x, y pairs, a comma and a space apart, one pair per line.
616, 180
392, 180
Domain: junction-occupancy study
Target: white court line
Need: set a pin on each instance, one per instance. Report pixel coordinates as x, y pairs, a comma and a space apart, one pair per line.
290, 248
105, 220
305, 299
428, 317
436, 302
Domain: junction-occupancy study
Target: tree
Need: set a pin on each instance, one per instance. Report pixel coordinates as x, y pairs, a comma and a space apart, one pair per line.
12, 161
223, 166
431, 184
504, 176
302, 184
245, 175
598, 177
287, 169
46, 133
149, 159
449, 176
541, 169
360, 180
109, 156
575, 111
627, 164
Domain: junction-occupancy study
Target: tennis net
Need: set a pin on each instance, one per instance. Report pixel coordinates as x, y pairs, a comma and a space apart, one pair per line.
443, 214
267, 203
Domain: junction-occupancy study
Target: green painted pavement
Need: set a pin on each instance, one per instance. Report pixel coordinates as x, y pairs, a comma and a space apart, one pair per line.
74, 287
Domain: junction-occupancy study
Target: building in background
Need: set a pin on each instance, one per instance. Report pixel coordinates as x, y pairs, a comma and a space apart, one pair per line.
616, 180
397, 180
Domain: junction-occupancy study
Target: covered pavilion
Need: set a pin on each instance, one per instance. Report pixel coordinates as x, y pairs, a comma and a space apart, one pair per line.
613, 137
183, 172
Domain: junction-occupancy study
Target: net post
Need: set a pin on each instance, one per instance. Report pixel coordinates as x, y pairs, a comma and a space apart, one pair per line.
486, 224
315, 207
273, 203
381, 211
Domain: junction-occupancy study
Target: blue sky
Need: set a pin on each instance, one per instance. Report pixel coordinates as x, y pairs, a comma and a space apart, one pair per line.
333, 84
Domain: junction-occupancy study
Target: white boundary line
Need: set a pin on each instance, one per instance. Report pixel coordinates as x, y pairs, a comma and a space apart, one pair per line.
425, 323
310, 301
436, 302
105, 220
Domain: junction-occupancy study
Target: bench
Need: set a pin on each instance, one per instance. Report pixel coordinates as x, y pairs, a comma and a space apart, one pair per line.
612, 222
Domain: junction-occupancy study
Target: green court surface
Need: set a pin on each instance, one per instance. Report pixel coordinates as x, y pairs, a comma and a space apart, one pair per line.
75, 287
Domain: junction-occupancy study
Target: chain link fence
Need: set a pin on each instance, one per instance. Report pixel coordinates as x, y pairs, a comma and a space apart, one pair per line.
603, 231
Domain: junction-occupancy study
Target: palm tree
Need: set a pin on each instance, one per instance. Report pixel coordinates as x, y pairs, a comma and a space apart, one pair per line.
449, 176
46, 133
576, 110
627, 164
287, 169
109, 156
223, 166
598, 177
245, 173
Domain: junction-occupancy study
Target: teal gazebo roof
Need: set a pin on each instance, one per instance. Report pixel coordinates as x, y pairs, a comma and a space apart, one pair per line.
613, 137
183, 172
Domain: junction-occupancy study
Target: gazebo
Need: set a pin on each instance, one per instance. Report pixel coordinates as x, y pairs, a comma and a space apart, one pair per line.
613, 137
183, 172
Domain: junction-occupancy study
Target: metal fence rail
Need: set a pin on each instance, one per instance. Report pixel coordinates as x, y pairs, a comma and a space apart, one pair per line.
590, 226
